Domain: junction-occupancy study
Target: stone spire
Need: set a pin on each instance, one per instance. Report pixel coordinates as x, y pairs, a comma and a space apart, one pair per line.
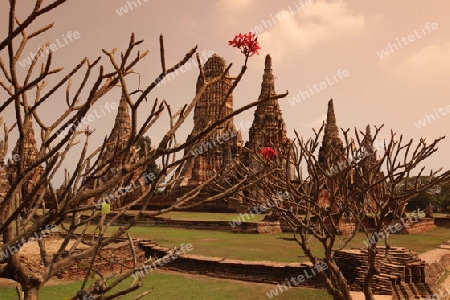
369, 148
4, 184
268, 83
268, 128
331, 139
30, 148
331, 129
122, 127
211, 154
117, 138
213, 106
368, 140
29, 155
117, 141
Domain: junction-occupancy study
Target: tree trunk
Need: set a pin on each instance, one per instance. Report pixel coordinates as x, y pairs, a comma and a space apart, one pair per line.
30, 293
337, 284
19, 292
344, 291
371, 271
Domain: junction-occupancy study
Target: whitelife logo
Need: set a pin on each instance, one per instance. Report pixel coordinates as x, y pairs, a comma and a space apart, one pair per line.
68, 38
281, 16
313, 271
88, 119
186, 67
131, 4
23, 243
377, 236
170, 256
432, 118
229, 134
339, 76
260, 209
391, 48
10, 158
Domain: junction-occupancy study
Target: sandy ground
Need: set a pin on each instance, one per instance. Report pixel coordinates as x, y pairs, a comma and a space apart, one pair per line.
360, 296
51, 245
435, 255
30, 253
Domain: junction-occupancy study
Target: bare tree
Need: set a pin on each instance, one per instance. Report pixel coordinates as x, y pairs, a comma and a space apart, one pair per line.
32, 175
330, 200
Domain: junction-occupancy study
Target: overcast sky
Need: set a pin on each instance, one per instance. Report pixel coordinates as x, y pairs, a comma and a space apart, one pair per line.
311, 42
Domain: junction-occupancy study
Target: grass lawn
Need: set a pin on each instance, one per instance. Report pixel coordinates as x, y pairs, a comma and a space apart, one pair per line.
225, 244
421, 242
441, 215
170, 285
269, 246
205, 216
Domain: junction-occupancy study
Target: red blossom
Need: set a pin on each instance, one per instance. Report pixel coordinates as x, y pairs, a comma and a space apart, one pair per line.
88, 131
247, 43
268, 153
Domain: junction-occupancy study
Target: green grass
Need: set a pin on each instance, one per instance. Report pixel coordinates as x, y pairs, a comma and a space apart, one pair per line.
225, 244
443, 278
270, 247
441, 215
421, 242
235, 246
204, 216
256, 247
266, 247
181, 286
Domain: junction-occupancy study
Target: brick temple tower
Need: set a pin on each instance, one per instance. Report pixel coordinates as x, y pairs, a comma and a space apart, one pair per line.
116, 142
331, 142
369, 148
224, 142
30, 151
4, 183
122, 127
30, 147
268, 128
27, 158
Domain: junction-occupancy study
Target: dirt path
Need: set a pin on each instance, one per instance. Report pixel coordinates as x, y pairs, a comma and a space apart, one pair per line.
29, 253
435, 255
360, 296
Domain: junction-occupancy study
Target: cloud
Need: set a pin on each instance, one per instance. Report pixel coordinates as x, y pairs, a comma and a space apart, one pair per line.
316, 123
310, 26
379, 17
229, 8
432, 60
233, 5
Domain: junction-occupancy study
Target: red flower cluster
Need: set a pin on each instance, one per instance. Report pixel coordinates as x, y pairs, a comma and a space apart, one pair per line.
268, 152
88, 131
247, 43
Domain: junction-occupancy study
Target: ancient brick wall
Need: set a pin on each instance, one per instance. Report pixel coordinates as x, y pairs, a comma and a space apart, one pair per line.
243, 227
113, 259
254, 271
402, 270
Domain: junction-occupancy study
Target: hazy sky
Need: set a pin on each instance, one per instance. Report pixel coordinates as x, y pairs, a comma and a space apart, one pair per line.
310, 43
